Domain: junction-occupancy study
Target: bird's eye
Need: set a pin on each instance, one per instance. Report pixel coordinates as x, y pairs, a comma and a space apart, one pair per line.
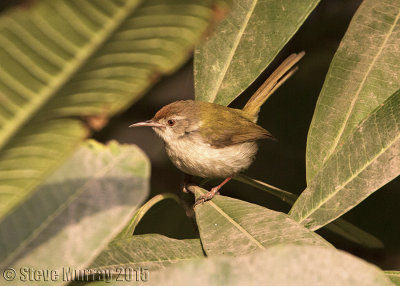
171, 122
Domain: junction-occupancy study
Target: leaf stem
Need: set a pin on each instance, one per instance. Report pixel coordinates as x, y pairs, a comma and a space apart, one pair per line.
279, 193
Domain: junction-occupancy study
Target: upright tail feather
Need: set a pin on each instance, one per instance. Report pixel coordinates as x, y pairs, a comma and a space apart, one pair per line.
273, 82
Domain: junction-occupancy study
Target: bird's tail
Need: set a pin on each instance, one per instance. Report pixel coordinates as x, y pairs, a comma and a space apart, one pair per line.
273, 82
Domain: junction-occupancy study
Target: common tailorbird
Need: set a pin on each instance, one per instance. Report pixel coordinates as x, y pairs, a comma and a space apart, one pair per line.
209, 140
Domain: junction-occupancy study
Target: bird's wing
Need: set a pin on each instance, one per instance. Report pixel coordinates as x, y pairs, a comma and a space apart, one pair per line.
229, 127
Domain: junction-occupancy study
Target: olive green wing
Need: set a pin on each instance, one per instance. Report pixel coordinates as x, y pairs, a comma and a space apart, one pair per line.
223, 126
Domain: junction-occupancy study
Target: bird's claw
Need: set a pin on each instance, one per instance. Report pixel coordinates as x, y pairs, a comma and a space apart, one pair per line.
206, 197
201, 200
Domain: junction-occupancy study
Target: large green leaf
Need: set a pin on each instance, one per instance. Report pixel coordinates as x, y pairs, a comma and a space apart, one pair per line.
78, 209
235, 227
339, 226
32, 155
151, 251
288, 265
366, 161
364, 72
244, 44
81, 58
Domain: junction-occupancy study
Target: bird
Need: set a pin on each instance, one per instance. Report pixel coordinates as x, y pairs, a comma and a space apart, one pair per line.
209, 140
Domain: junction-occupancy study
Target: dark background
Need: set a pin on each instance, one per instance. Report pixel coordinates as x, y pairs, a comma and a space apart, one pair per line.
287, 115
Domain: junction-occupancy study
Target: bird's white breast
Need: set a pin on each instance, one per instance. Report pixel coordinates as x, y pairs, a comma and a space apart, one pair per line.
200, 159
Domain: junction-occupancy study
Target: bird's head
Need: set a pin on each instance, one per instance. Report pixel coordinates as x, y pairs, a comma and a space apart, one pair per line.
173, 120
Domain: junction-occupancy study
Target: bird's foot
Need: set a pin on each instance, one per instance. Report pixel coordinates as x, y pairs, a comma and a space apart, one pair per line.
206, 197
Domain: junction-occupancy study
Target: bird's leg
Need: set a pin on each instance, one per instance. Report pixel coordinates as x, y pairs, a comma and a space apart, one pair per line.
211, 194
186, 182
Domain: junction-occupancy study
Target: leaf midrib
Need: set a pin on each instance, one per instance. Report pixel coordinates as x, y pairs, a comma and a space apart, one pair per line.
232, 51
234, 223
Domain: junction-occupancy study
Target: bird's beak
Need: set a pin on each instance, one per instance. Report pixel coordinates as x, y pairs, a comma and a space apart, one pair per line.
147, 123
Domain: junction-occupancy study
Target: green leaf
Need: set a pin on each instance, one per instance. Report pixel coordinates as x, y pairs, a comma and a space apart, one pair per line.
279, 265
231, 226
78, 210
162, 214
364, 72
366, 161
339, 226
34, 153
151, 251
394, 276
244, 44
84, 59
